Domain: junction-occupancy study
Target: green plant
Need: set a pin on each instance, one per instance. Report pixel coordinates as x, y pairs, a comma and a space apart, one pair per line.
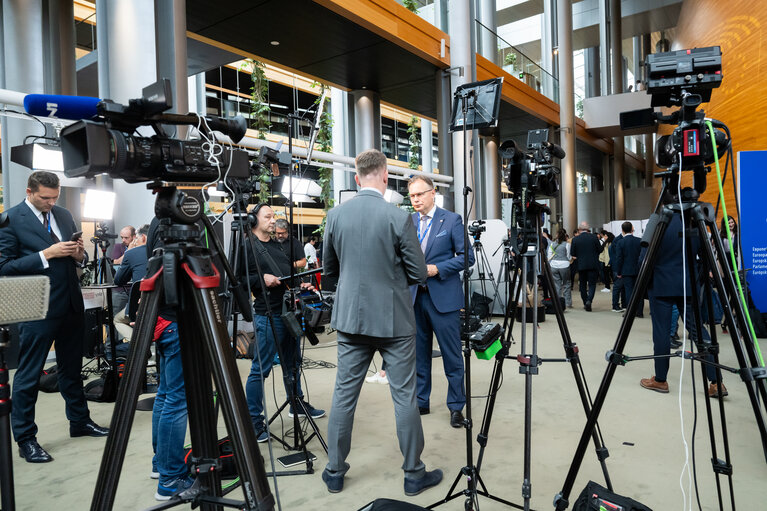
414, 153
325, 141
259, 117
579, 108
510, 59
411, 5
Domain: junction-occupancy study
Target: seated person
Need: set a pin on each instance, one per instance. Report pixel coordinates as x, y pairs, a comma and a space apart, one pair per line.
132, 269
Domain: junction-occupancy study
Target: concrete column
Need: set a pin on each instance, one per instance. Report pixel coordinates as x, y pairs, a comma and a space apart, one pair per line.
567, 114
549, 61
127, 64
593, 70
427, 148
462, 55
604, 47
23, 52
338, 103
616, 63
170, 29
61, 76
445, 148
637, 67
196, 88
367, 120
487, 38
491, 177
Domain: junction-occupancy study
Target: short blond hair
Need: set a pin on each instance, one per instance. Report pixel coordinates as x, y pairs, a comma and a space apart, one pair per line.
371, 161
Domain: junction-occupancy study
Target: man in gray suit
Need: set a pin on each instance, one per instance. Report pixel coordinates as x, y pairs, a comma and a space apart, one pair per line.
372, 248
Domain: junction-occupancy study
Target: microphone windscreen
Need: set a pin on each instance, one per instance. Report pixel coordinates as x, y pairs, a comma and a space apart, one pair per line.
23, 298
61, 107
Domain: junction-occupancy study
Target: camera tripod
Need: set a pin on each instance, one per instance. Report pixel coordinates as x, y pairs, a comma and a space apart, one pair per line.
700, 218
485, 273
183, 275
7, 496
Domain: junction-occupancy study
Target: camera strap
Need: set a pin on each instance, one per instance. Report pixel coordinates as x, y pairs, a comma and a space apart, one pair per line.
261, 249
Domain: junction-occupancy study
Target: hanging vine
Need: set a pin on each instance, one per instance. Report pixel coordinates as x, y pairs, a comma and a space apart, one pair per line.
259, 118
414, 139
411, 5
325, 142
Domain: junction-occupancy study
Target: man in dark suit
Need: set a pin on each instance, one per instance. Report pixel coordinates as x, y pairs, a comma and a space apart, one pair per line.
627, 262
585, 249
437, 302
666, 289
37, 242
619, 291
372, 247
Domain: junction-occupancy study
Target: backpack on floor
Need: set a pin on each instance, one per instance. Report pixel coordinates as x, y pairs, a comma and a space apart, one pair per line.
49, 380
597, 498
225, 457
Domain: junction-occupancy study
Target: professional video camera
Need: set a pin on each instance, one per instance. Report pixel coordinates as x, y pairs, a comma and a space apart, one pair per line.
101, 233
683, 79
107, 143
531, 172
476, 228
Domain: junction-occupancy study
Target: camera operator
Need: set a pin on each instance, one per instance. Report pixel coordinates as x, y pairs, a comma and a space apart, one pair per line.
271, 258
32, 245
438, 301
127, 235
281, 227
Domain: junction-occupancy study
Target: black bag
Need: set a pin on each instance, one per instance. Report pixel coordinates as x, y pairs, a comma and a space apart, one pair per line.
225, 458
597, 498
245, 342
102, 390
49, 380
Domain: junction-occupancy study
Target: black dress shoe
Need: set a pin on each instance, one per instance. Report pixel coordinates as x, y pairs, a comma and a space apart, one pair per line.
90, 428
587, 306
456, 419
423, 410
676, 344
31, 451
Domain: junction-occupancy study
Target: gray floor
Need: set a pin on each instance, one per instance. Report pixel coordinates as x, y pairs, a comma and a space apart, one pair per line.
642, 430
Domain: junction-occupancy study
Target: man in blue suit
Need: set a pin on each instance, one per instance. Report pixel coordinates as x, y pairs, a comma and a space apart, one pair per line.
437, 303
627, 262
37, 242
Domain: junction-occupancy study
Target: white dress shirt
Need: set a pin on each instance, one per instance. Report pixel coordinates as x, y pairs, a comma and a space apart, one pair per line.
54, 227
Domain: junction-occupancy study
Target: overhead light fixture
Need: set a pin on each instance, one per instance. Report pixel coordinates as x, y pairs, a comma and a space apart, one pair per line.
303, 189
274, 43
99, 204
393, 196
555, 50
37, 156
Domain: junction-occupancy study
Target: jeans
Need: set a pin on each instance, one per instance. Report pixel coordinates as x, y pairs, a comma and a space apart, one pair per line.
169, 412
674, 321
587, 278
254, 387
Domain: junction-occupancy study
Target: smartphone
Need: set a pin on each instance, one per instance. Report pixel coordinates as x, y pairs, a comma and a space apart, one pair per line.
76, 236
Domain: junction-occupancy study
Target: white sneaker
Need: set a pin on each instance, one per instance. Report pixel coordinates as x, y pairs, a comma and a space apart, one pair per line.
605, 290
377, 378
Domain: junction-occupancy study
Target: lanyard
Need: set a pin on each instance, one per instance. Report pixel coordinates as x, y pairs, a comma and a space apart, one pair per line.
47, 218
422, 235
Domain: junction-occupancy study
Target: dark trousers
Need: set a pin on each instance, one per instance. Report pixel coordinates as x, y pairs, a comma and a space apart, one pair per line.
619, 293
628, 282
447, 327
587, 285
35, 339
660, 310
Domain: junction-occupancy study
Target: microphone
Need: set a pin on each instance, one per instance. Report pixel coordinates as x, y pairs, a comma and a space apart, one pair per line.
554, 149
61, 107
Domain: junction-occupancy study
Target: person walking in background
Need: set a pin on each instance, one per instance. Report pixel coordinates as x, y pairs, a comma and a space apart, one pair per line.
585, 249
627, 262
559, 259
605, 271
619, 292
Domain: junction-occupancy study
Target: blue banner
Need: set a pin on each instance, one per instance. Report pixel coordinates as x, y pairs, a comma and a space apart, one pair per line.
752, 187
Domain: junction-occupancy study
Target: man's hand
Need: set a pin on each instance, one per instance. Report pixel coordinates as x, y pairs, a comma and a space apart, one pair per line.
431, 270
271, 280
63, 249
308, 286
80, 253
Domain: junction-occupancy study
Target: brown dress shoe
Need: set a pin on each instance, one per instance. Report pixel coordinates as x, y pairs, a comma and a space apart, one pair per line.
650, 383
713, 390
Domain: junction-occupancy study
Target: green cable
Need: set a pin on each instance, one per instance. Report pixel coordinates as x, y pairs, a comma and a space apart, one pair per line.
729, 240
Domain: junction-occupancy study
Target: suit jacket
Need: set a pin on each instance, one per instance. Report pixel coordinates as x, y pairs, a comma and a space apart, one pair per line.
133, 267
445, 249
20, 243
612, 251
586, 248
627, 256
666, 278
372, 248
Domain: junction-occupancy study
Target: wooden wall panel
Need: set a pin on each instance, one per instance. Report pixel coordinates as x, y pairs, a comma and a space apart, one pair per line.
738, 26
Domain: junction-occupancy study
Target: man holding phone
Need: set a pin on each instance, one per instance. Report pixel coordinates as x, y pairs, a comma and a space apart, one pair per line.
32, 245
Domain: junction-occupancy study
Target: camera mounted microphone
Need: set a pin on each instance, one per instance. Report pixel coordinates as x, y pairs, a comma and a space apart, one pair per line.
555, 150
61, 107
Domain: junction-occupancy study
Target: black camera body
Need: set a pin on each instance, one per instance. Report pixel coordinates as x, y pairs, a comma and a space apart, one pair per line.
532, 171
476, 228
108, 144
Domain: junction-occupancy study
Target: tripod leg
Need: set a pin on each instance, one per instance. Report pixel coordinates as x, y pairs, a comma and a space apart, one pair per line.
571, 352
125, 406
7, 497
614, 358
250, 463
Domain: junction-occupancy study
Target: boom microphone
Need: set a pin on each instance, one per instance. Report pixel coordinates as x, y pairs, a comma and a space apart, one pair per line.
555, 150
61, 107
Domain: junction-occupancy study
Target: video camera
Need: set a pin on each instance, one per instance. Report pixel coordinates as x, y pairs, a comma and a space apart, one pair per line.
107, 143
683, 79
476, 228
532, 171
102, 233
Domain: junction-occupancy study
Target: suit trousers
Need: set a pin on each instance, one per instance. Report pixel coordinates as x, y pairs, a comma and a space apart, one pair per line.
587, 284
629, 281
660, 311
35, 339
619, 293
447, 328
354, 355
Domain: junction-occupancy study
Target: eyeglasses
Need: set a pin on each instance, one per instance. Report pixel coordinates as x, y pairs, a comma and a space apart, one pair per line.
420, 194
